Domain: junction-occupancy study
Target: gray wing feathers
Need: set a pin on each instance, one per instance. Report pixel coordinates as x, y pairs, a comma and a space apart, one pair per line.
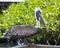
21, 31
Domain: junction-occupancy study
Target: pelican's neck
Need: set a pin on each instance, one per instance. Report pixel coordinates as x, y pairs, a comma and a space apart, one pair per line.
37, 24
37, 18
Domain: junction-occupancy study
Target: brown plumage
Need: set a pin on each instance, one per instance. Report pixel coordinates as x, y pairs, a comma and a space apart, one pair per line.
23, 31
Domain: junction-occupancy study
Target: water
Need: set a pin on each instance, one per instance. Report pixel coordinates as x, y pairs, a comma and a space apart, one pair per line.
22, 45
40, 46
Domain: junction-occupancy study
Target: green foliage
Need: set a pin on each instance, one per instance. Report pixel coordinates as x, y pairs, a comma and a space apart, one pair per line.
23, 13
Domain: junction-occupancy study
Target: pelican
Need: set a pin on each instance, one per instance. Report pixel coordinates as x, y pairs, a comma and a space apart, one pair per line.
23, 31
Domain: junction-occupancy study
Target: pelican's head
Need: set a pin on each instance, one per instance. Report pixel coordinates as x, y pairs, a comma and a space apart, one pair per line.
39, 16
38, 13
36, 9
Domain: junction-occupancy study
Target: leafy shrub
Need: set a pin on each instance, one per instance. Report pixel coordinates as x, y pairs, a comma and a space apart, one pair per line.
23, 13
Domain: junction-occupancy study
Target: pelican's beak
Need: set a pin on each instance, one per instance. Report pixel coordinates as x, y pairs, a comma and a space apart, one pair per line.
40, 17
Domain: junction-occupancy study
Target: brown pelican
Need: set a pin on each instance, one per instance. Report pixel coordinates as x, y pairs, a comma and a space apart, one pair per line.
23, 31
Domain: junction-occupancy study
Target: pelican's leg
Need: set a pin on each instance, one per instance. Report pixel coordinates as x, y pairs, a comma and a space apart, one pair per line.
18, 42
26, 42
22, 42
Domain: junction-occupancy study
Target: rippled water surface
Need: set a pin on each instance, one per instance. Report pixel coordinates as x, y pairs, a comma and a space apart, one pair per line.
4, 45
